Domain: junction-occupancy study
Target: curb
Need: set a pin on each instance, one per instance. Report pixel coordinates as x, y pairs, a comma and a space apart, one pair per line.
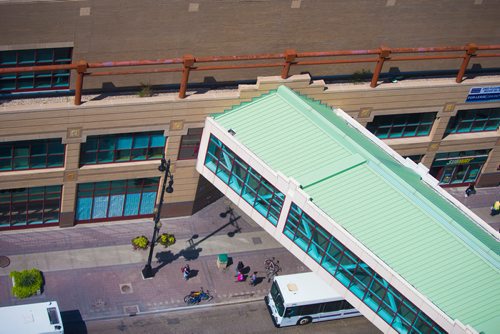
176, 309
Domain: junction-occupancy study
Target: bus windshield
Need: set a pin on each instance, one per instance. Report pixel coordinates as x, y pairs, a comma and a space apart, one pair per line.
278, 298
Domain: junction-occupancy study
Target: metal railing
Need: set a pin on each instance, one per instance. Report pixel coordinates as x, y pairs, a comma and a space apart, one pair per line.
286, 59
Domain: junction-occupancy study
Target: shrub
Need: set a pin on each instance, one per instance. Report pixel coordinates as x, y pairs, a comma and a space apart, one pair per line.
166, 239
146, 90
26, 283
360, 76
141, 242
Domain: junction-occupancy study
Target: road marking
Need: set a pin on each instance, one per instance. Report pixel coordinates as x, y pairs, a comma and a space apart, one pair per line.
478, 2
85, 11
390, 3
296, 3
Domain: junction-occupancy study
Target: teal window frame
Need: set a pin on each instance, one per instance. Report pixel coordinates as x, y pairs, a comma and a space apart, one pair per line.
35, 81
476, 120
124, 147
31, 154
266, 199
367, 285
402, 125
30, 207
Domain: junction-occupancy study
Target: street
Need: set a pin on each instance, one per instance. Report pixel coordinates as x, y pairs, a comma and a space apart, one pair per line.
238, 318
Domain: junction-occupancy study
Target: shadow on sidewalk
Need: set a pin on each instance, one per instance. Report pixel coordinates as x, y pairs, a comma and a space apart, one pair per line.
191, 252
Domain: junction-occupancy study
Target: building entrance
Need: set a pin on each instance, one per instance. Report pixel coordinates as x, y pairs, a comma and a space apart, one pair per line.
458, 168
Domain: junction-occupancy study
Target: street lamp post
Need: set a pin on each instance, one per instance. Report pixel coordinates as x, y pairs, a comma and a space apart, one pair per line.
147, 271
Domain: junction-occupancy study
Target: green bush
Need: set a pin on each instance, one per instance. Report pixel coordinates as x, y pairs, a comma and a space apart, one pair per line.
166, 239
27, 282
141, 242
146, 90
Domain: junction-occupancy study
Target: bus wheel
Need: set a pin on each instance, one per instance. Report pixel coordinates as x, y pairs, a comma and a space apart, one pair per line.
304, 321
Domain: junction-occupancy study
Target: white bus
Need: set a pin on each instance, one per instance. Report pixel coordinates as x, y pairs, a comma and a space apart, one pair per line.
39, 318
303, 298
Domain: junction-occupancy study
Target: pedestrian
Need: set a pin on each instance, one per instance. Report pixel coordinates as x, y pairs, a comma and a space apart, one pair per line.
186, 271
239, 268
241, 277
253, 279
470, 190
495, 209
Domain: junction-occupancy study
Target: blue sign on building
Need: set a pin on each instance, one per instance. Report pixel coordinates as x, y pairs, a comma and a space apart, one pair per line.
483, 94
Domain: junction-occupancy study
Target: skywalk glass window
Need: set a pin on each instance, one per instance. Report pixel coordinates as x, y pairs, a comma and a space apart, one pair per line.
403, 125
122, 148
31, 81
244, 180
25, 207
31, 154
190, 144
474, 121
119, 199
357, 276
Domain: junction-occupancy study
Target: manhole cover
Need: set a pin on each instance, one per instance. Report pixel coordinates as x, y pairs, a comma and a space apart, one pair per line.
256, 241
131, 310
126, 288
4, 261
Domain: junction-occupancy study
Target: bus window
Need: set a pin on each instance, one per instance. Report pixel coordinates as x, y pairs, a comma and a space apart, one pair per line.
333, 306
347, 306
310, 309
278, 298
291, 311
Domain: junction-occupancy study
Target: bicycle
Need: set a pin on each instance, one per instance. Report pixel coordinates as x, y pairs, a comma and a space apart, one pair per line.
272, 268
195, 297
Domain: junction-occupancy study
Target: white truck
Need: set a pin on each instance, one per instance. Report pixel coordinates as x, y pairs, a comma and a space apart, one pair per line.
39, 318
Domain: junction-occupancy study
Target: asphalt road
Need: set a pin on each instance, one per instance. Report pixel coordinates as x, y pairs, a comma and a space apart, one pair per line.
239, 318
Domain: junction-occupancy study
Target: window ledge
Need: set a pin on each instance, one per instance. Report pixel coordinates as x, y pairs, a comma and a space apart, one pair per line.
471, 136
407, 140
122, 164
32, 171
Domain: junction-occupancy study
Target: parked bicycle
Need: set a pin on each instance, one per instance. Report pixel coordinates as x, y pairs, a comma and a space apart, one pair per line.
196, 297
272, 268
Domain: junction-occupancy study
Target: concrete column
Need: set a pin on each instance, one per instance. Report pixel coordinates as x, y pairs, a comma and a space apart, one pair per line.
71, 165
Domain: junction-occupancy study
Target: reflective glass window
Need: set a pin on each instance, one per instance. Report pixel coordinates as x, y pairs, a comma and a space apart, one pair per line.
476, 120
122, 148
402, 125
31, 154
29, 81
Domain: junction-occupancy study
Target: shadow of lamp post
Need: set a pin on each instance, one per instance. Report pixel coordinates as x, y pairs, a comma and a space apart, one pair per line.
147, 271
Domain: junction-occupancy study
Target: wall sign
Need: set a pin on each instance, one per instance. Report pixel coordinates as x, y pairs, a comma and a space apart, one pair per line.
484, 94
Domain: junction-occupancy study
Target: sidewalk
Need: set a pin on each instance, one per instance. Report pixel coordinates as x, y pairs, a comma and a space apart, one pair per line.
92, 269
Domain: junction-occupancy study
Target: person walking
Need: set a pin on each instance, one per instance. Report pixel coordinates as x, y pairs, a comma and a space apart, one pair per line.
186, 271
253, 279
239, 268
240, 277
470, 190
495, 209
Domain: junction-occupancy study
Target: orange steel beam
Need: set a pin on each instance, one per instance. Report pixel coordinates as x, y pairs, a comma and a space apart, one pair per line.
81, 69
235, 67
290, 56
340, 61
469, 53
38, 68
136, 63
384, 53
153, 70
188, 62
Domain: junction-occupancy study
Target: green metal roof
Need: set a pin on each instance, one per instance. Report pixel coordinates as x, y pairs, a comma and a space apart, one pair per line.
386, 206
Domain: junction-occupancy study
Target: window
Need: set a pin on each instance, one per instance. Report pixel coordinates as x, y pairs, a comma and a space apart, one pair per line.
403, 125
244, 180
32, 154
190, 144
474, 121
355, 275
116, 199
28, 81
29, 206
122, 148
